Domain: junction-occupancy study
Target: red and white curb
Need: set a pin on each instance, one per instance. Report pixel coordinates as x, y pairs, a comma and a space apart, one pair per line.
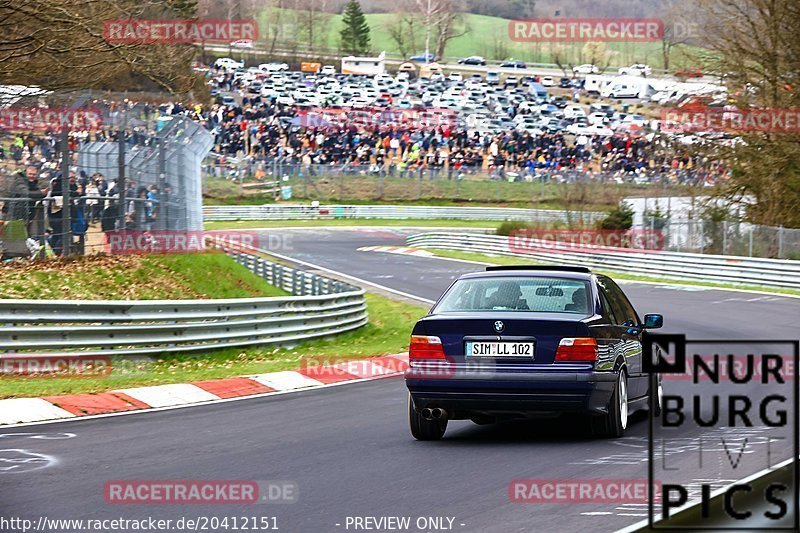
402, 250
28, 410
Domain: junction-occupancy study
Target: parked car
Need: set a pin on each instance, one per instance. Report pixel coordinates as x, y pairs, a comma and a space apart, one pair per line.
273, 67
565, 83
492, 78
548, 81
430, 57
585, 69
228, 64
472, 60
689, 72
638, 69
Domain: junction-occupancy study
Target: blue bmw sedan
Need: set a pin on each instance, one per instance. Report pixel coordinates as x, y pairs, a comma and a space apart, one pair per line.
528, 341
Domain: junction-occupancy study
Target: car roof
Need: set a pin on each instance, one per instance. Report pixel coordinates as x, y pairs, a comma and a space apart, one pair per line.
530, 273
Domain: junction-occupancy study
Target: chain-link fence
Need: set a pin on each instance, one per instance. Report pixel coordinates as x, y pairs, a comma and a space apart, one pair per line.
134, 172
167, 161
728, 238
284, 179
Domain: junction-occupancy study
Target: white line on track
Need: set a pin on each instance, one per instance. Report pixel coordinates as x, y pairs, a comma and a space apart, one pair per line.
348, 276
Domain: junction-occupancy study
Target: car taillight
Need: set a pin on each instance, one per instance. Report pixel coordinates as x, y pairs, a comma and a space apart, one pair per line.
425, 347
579, 349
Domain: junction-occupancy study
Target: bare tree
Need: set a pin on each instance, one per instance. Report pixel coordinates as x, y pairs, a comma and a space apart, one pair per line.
60, 44
442, 21
312, 21
402, 29
598, 54
756, 48
681, 26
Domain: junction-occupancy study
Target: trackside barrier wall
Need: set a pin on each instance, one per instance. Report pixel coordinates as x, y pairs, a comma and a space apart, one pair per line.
295, 212
682, 266
318, 307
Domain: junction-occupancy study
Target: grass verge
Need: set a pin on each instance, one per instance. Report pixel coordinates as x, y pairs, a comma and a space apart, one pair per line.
387, 332
505, 260
134, 277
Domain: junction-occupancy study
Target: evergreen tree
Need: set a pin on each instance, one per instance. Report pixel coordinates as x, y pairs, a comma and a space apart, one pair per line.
355, 33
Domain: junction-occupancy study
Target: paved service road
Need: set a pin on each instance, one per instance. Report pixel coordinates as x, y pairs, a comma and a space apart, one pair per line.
349, 449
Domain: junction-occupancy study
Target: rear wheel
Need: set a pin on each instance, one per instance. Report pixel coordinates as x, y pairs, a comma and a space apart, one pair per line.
422, 428
613, 423
659, 399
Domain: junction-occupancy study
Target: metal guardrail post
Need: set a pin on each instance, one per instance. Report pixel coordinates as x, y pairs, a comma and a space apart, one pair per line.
725, 237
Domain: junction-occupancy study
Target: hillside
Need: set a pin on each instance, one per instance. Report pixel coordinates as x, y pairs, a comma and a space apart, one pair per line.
485, 36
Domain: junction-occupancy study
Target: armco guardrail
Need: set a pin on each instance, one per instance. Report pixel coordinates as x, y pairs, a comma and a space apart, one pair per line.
296, 211
319, 307
672, 265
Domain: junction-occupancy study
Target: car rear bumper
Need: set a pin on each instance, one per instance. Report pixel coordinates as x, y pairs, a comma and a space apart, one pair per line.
517, 392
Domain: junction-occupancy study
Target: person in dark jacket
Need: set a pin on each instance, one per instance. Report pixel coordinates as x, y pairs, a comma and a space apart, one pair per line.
25, 186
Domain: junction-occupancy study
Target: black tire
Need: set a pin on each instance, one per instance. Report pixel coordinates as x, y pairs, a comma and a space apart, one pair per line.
612, 424
423, 429
659, 398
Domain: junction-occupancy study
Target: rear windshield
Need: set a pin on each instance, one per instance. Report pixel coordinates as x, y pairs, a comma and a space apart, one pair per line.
529, 294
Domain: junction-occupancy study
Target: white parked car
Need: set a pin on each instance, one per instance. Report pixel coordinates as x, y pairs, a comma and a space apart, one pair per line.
455, 76
273, 67
639, 69
328, 70
548, 81
228, 64
598, 118
621, 90
601, 131
574, 111
585, 69
636, 120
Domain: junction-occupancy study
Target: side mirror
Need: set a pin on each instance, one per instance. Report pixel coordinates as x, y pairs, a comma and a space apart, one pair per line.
653, 321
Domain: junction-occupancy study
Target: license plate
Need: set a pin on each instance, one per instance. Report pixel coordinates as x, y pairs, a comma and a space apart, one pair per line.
499, 349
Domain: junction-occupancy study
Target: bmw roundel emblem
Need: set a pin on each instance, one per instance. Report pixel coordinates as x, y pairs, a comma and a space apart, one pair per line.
499, 326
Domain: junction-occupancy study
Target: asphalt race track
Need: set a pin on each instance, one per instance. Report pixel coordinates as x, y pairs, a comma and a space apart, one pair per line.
348, 448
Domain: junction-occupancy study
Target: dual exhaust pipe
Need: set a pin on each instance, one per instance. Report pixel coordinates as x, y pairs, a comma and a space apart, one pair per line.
437, 413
